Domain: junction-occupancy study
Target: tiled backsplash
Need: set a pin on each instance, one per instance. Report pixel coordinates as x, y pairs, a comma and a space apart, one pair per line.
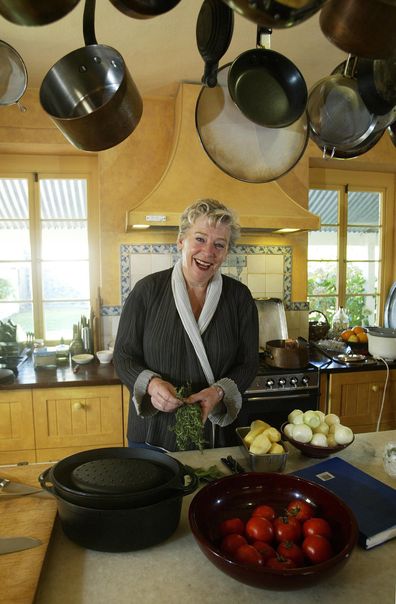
266, 270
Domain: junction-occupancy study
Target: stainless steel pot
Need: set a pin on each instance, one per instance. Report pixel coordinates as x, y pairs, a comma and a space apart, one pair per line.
287, 354
277, 14
14, 78
39, 12
90, 95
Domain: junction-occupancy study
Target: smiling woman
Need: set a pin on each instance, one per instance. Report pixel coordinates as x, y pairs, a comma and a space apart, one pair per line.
188, 325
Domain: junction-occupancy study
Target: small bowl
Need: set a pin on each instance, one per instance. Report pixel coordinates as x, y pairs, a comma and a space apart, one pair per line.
262, 463
313, 450
82, 359
105, 356
237, 495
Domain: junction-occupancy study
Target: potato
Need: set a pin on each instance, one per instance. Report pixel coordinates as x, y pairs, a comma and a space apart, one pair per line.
260, 445
273, 434
256, 427
276, 449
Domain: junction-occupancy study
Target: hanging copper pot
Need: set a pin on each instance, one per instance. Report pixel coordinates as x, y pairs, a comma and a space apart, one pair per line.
39, 12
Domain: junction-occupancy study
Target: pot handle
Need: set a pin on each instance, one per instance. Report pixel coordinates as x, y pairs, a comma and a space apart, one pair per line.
43, 481
192, 484
89, 22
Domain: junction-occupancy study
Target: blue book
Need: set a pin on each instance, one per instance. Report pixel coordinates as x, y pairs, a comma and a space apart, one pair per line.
373, 502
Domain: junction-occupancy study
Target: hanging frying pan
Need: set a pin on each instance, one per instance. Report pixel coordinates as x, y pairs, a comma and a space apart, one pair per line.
90, 95
39, 12
13, 80
238, 146
365, 28
377, 83
266, 86
277, 14
144, 9
215, 26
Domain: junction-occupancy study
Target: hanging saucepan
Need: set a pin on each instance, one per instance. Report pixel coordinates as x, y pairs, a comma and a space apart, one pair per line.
277, 14
90, 95
238, 146
266, 86
377, 83
214, 29
287, 354
37, 12
13, 80
351, 152
117, 478
337, 114
365, 28
144, 9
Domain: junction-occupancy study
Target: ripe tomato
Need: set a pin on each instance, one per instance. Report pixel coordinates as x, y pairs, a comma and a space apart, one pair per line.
288, 549
287, 528
317, 548
232, 525
317, 526
247, 554
279, 563
259, 529
231, 542
265, 511
300, 509
265, 549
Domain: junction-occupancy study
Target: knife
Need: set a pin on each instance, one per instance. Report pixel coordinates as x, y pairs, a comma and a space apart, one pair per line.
17, 544
15, 489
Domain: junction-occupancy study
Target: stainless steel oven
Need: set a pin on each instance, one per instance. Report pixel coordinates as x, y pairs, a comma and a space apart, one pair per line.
273, 394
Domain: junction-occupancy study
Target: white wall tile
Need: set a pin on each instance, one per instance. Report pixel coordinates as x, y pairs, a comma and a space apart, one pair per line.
274, 263
160, 262
256, 263
274, 283
256, 284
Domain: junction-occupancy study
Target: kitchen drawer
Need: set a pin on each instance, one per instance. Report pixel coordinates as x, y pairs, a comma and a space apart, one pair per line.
68, 420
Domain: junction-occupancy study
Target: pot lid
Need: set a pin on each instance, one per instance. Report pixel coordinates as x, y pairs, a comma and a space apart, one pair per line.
114, 475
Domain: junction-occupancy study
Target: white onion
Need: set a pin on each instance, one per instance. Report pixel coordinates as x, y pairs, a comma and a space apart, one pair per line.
288, 430
294, 414
311, 419
323, 428
319, 440
343, 435
331, 441
321, 415
302, 433
332, 418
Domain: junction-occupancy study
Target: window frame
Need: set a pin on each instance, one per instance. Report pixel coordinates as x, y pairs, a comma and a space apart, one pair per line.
359, 180
35, 168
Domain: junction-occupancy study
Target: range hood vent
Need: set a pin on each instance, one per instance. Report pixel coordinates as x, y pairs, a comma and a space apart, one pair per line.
191, 175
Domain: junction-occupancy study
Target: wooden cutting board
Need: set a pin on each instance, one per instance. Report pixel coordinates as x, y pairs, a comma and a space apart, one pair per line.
28, 516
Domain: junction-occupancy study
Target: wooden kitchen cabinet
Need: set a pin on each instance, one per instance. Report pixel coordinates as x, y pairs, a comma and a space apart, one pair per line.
70, 419
17, 442
356, 397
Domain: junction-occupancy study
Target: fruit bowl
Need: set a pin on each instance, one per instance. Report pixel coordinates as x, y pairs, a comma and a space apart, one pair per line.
312, 450
237, 495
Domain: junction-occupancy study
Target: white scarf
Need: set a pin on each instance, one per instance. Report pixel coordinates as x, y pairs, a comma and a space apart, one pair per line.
183, 305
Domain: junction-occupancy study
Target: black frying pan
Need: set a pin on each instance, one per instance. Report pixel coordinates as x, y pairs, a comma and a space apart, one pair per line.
215, 26
144, 9
267, 87
376, 83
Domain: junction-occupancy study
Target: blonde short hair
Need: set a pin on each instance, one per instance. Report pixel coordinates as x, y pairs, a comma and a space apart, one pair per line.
215, 212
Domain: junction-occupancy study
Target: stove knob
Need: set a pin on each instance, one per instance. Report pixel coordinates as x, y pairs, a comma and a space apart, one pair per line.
269, 383
305, 380
294, 381
282, 382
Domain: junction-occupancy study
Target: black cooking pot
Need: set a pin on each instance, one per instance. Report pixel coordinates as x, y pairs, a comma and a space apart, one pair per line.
118, 530
144, 9
117, 478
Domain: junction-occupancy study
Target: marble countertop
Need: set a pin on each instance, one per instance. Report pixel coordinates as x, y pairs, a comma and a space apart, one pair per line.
177, 571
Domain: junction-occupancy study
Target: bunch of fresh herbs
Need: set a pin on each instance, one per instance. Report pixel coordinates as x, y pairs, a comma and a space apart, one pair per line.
188, 427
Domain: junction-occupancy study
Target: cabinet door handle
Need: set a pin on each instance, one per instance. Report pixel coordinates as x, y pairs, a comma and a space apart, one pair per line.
374, 388
78, 405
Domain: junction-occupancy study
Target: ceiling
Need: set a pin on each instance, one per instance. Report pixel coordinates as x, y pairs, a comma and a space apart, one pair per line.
162, 51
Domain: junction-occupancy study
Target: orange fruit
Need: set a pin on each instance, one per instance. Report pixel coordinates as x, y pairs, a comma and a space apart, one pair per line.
357, 329
362, 337
346, 334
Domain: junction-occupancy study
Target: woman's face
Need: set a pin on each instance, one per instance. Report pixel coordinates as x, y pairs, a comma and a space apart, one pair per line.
204, 249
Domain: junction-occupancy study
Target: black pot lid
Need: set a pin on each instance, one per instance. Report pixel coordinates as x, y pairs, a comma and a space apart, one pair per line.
114, 475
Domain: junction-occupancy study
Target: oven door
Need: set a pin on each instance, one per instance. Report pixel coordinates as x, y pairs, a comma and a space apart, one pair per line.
272, 408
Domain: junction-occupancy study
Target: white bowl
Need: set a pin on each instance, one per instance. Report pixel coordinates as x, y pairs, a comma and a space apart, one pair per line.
104, 356
82, 359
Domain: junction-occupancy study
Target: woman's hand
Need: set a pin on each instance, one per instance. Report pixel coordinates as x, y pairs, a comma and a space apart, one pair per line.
208, 398
163, 395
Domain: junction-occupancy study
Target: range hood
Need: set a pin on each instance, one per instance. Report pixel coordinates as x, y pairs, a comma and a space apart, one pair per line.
191, 175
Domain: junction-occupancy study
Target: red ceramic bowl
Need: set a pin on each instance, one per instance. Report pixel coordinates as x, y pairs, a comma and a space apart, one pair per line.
237, 495
313, 450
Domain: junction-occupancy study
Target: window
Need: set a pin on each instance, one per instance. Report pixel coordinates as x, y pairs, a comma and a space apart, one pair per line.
347, 261
47, 274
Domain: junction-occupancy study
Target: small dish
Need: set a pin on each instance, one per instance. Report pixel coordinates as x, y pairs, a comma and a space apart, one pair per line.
351, 358
82, 359
104, 356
